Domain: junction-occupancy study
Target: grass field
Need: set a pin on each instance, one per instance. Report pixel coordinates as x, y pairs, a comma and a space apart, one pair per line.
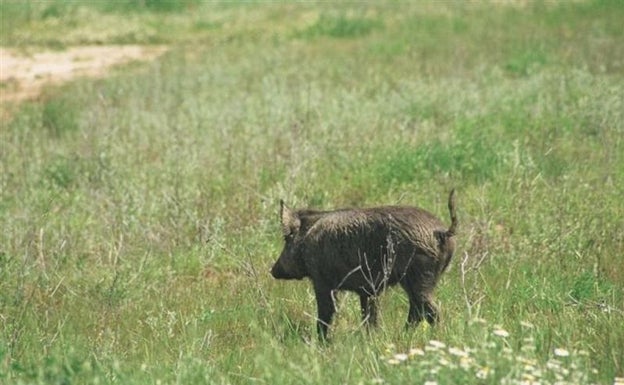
139, 212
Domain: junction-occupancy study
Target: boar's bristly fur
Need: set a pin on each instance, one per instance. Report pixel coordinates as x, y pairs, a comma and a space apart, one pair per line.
365, 251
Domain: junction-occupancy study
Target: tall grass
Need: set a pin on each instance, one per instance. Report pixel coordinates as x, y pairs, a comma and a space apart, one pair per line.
139, 212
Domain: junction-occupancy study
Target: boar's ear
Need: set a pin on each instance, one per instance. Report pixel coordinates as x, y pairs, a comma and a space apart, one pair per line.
290, 219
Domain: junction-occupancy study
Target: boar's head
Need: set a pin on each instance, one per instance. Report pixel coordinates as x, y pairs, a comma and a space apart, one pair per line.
290, 264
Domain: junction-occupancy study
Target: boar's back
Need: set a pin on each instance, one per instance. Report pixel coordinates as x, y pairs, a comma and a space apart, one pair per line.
350, 249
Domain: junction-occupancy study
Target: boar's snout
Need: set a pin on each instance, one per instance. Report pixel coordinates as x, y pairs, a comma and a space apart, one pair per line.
287, 267
278, 272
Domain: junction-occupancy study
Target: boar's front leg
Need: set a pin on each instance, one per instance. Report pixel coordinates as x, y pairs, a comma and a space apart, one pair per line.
326, 310
368, 304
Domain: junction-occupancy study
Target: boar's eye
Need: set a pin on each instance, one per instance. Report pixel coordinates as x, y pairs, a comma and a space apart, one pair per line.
290, 237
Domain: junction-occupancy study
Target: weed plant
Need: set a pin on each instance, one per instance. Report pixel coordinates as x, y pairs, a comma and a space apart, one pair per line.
139, 212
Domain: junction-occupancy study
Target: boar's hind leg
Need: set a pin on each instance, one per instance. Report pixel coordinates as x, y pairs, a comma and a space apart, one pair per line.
326, 310
369, 309
422, 308
421, 305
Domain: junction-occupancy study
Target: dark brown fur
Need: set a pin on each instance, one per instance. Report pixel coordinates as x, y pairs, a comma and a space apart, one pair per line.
365, 251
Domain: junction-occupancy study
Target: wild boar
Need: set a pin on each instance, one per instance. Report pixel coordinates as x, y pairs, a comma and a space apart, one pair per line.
364, 251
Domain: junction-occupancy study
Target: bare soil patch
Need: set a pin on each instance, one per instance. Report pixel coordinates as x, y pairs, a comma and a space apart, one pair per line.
23, 76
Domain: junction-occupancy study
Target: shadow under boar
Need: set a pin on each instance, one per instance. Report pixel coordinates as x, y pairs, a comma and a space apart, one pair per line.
365, 251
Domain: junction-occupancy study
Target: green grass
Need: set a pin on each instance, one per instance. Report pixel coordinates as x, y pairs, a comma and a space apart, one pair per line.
340, 26
139, 212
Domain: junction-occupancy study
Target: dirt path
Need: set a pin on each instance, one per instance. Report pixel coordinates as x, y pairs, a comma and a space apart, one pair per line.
23, 76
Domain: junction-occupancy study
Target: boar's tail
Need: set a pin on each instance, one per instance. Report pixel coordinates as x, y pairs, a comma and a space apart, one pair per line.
454, 223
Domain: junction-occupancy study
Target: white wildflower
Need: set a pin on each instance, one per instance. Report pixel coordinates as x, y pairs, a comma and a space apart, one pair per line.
553, 365
400, 357
527, 361
430, 383
501, 333
466, 362
528, 377
457, 352
483, 373
537, 372
560, 352
437, 344
529, 368
529, 345
444, 362
416, 352
470, 350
